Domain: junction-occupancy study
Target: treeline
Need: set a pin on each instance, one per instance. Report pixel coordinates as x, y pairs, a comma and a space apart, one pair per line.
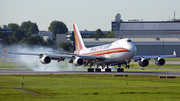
99, 34
23, 33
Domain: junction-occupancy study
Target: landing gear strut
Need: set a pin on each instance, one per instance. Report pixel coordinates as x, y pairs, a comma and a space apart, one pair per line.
97, 69
120, 69
127, 66
108, 69
91, 69
127, 63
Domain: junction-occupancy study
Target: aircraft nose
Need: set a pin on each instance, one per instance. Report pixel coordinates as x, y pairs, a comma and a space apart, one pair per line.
132, 48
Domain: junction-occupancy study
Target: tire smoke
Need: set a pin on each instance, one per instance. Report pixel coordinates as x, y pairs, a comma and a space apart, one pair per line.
33, 62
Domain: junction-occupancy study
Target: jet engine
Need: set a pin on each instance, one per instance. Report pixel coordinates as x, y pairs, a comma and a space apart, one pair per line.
45, 60
143, 62
78, 61
160, 61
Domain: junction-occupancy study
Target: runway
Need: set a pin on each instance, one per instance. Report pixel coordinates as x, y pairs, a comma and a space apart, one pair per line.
31, 72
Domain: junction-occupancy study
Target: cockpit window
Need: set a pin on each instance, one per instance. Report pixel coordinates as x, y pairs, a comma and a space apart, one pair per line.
129, 41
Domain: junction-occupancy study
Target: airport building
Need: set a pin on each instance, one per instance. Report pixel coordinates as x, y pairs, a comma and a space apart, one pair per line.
46, 35
86, 34
5, 29
150, 37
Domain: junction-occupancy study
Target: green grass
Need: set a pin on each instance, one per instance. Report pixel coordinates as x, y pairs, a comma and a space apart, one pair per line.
11, 65
88, 87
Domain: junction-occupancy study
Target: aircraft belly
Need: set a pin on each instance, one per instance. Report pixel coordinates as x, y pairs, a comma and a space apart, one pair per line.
117, 57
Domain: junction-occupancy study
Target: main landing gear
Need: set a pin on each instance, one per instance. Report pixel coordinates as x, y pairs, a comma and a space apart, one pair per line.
120, 69
97, 69
107, 69
90, 69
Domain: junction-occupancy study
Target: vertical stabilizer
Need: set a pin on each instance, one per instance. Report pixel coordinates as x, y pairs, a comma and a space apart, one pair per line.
78, 39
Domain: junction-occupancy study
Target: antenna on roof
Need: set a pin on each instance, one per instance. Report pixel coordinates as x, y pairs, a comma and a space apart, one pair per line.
174, 15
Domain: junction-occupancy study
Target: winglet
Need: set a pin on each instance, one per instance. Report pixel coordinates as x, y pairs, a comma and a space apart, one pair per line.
5, 50
174, 53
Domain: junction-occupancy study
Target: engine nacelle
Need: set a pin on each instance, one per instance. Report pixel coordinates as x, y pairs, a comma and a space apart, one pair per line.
143, 62
160, 61
45, 60
78, 61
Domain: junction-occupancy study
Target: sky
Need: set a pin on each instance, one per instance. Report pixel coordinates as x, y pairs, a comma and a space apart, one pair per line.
87, 14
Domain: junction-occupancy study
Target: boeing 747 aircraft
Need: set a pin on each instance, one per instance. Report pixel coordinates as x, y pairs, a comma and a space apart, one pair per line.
120, 52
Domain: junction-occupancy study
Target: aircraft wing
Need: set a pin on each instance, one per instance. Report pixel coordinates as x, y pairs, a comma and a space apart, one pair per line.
58, 56
62, 52
154, 56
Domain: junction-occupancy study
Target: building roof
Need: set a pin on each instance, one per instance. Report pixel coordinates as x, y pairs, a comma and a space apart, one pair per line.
156, 25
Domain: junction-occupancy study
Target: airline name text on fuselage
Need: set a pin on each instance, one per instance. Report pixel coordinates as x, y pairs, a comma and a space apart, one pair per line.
100, 47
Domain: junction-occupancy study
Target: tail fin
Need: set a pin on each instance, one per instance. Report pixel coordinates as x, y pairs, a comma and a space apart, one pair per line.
78, 39
5, 50
174, 53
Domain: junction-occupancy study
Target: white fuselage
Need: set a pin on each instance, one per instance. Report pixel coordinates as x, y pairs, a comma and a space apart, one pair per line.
118, 51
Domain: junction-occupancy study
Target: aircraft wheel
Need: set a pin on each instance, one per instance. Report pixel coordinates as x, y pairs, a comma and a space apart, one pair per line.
120, 70
128, 66
108, 70
97, 70
90, 69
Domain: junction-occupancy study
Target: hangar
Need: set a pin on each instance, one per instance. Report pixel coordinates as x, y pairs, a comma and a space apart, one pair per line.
150, 37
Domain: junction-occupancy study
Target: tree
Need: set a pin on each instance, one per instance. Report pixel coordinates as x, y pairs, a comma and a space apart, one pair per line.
29, 27
4, 41
65, 46
49, 42
2, 34
12, 40
8, 40
98, 34
109, 34
23, 40
57, 27
19, 34
34, 40
14, 26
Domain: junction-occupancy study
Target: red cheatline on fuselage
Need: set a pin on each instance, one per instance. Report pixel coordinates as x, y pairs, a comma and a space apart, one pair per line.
103, 52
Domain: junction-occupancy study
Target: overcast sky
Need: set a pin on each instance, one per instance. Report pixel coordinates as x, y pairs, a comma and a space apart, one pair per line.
88, 14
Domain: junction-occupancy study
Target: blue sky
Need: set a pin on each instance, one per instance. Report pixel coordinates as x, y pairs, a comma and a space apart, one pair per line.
88, 14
